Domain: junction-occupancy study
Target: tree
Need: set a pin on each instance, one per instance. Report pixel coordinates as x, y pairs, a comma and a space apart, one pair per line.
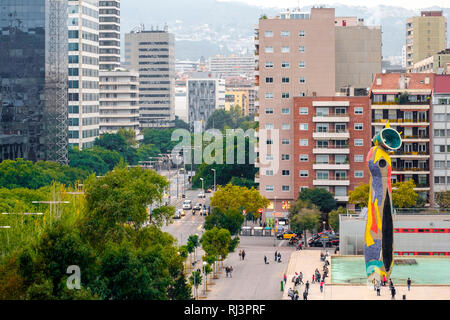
404, 196
360, 196
160, 138
118, 142
239, 198
232, 220
303, 215
196, 279
443, 199
322, 198
333, 218
193, 241
216, 243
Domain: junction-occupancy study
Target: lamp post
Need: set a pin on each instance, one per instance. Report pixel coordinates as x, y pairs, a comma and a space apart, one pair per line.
214, 170
323, 239
204, 278
203, 194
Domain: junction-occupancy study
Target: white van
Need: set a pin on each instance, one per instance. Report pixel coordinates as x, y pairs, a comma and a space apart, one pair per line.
187, 204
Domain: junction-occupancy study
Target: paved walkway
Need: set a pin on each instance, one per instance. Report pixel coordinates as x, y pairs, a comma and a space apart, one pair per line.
308, 260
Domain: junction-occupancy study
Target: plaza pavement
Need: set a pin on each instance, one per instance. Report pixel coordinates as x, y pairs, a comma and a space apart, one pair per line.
308, 260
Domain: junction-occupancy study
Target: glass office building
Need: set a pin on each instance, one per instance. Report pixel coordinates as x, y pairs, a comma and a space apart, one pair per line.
33, 80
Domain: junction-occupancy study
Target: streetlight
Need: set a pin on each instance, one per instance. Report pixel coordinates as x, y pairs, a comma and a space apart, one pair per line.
323, 236
203, 195
204, 278
214, 170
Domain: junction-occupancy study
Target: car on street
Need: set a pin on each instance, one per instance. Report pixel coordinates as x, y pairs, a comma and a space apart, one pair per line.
177, 214
325, 239
183, 213
208, 190
286, 235
201, 195
197, 207
187, 204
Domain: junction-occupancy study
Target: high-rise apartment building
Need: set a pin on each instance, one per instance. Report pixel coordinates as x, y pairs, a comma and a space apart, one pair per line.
441, 134
425, 35
109, 34
246, 85
204, 96
405, 101
358, 55
33, 80
152, 54
295, 52
83, 25
437, 63
119, 101
233, 66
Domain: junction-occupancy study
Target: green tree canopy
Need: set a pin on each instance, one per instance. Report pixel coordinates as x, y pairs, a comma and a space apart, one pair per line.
304, 215
443, 199
320, 197
333, 218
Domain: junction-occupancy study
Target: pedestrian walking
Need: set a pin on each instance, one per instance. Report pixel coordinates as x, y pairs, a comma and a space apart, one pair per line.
391, 285
374, 285
321, 285
393, 291
227, 271
378, 287
243, 255
279, 257
301, 278
240, 254
265, 260
312, 279
384, 280
285, 278
305, 295
307, 286
230, 268
408, 282
276, 256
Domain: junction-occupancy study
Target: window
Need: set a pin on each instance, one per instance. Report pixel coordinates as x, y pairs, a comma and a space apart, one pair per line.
269, 95
285, 188
285, 126
269, 141
285, 65
269, 80
285, 111
268, 49
301, 64
358, 126
359, 174
269, 173
301, 49
285, 80
304, 173
304, 126
285, 95
323, 175
285, 157
285, 141
301, 33
269, 188
304, 111
268, 34
302, 80
302, 94
340, 159
359, 158
322, 159
359, 142
269, 157
359, 111
304, 158
285, 173
269, 126
285, 49
323, 127
269, 110
285, 33
303, 142
269, 64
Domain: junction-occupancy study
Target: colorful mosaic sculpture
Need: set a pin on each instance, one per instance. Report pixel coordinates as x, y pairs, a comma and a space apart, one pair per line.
379, 235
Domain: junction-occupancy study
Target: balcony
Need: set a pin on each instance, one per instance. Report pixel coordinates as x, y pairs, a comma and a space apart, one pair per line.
256, 115
332, 118
332, 135
402, 170
420, 138
401, 122
338, 182
257, 178
332, 150
409, 155
256, 41
341, 198
331, 166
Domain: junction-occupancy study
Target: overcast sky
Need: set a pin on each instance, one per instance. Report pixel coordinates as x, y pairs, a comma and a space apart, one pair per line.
409, 4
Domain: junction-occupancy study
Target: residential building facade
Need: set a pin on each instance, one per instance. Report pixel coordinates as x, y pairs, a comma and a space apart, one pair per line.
437, 63
109, 35
441, 134
405, 101
83, 25
33, 80
152, 54
358, 55
233, 66
425, 35
119, 101
295, 53
240, 98
204, 95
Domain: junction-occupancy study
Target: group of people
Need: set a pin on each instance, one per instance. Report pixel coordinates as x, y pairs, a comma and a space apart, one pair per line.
229, 271
277, 256
377, 286
241, 254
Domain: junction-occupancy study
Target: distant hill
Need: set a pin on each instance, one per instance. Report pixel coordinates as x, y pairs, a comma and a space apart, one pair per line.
208, 27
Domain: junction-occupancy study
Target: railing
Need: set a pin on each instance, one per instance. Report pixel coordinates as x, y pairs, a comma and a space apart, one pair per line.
400, 120
416, 137
332, 115
410, 169
389, 103
337, 131
334, 163
413, 153
333, 147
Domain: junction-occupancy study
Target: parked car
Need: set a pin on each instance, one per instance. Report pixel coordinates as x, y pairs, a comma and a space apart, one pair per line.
201, 195
326, 239
177, 214
208, 191
286, 235
197, 207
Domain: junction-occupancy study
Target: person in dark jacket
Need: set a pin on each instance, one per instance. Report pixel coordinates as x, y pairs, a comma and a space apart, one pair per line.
408, 282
